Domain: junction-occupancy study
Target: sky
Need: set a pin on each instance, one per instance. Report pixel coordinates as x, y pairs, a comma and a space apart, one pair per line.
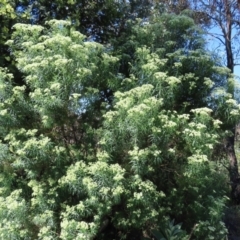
237, 73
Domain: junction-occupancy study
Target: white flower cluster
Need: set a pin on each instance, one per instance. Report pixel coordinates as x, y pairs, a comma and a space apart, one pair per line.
198, 158
202, 111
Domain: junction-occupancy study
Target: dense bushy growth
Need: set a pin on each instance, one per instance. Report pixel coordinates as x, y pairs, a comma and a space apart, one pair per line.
77, 163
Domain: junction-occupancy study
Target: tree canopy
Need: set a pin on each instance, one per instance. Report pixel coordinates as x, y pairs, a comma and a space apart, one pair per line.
115, 136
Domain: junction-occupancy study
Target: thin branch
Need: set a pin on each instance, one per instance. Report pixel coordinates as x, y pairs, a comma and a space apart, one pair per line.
193, 229
214, 35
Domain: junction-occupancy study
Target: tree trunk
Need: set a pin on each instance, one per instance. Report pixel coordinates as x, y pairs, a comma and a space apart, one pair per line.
233, 168
233, 163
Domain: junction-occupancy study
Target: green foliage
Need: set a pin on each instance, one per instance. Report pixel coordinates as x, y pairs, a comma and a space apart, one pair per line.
62, 70
166, 133
36, 158
14, 217
77, 165
167, 148
170, 232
